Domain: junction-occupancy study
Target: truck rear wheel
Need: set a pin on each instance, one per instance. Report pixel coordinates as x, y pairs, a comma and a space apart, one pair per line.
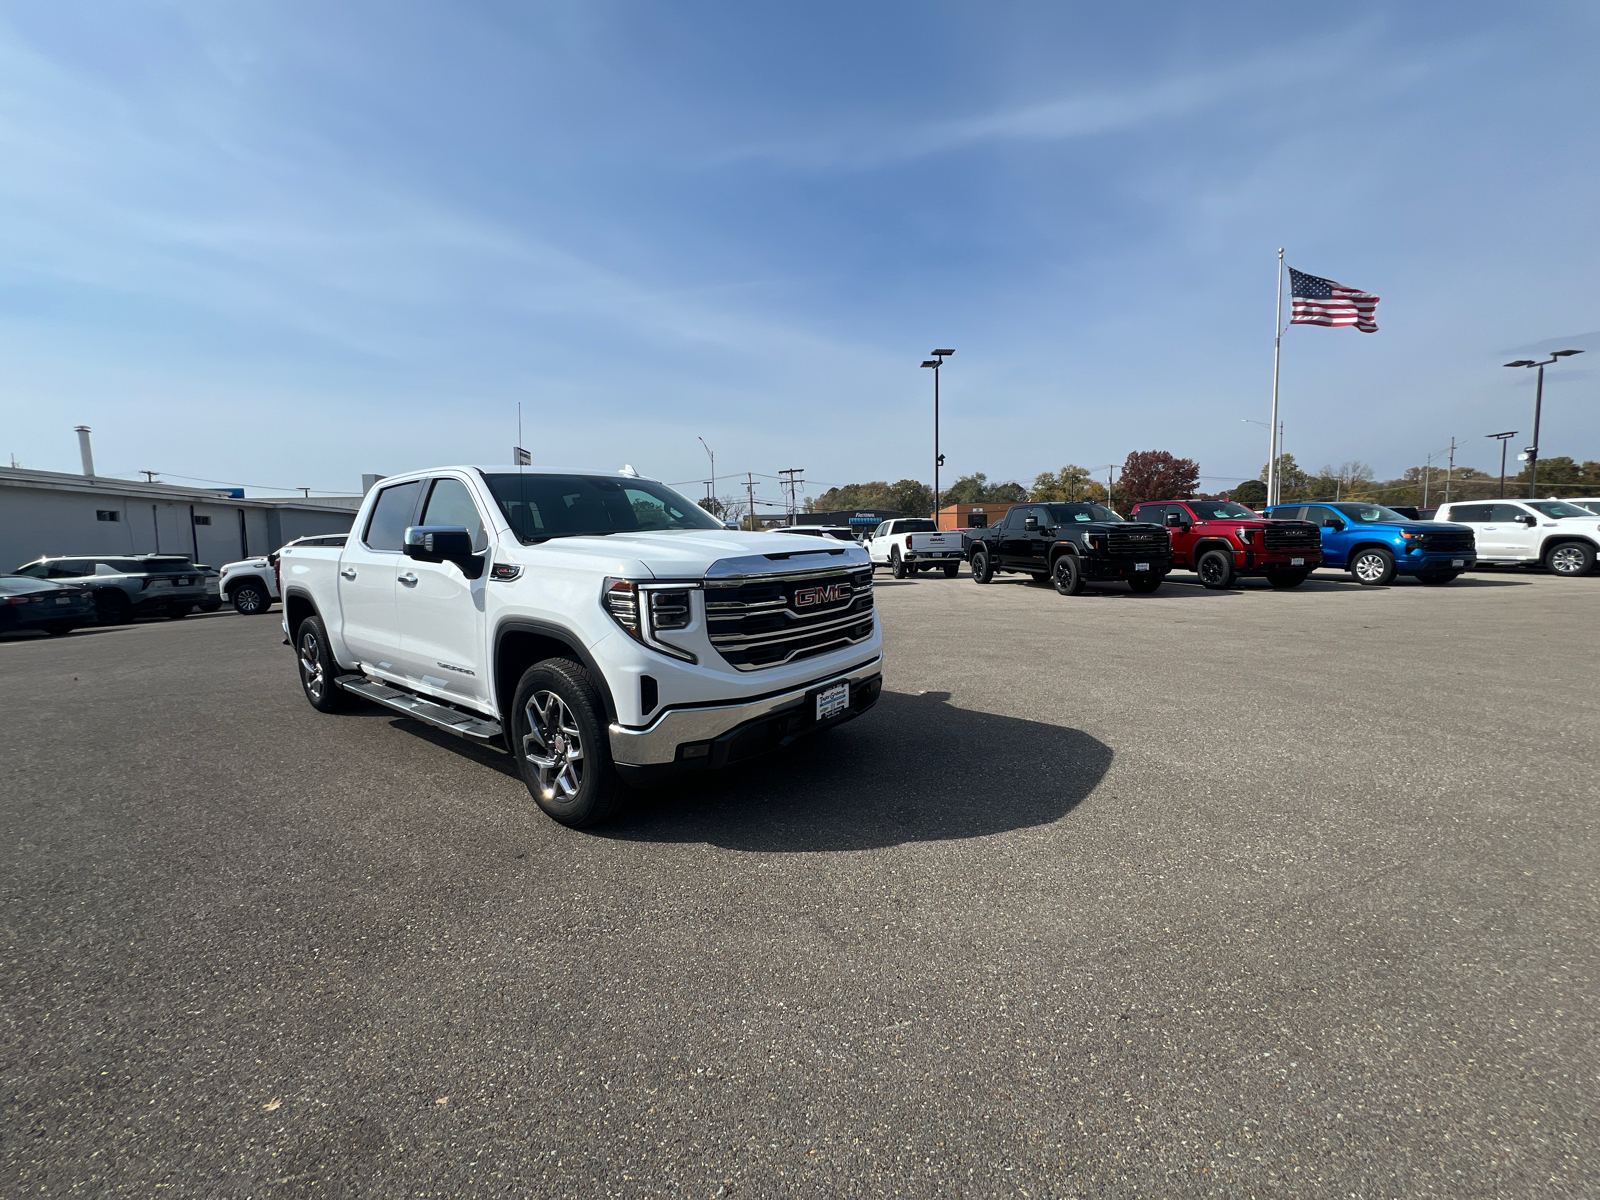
1067, 575
558, 734
897, 566
1215, 569
1286, 579
951, 569
113, 606
318, 669
981, 571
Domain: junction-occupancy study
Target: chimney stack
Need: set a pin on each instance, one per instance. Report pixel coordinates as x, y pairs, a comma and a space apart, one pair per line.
83, 448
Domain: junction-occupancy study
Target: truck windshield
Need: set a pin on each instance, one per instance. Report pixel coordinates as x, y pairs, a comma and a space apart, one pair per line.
1221, 512
1068, 514
1369, 514
539, 507
918, 526
1558, 508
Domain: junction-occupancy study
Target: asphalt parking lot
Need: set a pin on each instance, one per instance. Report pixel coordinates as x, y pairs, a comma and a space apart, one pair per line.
1193, 894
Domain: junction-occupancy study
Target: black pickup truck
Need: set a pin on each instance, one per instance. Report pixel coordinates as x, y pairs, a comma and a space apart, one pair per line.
1070, 545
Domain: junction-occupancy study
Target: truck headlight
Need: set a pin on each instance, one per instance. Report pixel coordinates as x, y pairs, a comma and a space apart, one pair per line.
642, 609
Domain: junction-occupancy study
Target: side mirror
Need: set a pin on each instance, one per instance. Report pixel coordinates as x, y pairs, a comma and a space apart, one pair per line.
443, 543
1334, 524
1529, 519
1030, 523
1174, 520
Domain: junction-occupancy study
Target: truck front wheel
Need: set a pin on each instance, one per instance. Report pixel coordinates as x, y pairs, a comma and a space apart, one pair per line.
951, 569
1373, 567
1067, 575
318, 670
1215, 569
981, 571
558, 733
250, 599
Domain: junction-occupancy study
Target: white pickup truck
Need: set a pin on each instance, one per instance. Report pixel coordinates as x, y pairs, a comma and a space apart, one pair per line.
907, 545
603, 627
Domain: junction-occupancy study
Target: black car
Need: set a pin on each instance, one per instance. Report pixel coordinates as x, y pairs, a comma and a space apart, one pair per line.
1070, 545
56, 608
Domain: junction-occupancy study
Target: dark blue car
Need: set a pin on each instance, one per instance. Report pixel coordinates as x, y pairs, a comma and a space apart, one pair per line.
55, 608
1375, 543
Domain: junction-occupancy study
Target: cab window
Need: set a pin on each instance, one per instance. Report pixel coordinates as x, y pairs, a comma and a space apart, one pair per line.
1471, 512
386, 527
449, 503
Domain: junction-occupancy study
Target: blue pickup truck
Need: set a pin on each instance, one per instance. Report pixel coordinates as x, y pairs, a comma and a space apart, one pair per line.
1375, 543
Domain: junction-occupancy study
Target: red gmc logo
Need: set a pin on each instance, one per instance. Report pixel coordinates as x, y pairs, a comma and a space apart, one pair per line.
832, 594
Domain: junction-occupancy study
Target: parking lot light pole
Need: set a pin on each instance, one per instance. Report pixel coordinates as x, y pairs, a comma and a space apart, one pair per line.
936, 362
1503, 437
1538, 403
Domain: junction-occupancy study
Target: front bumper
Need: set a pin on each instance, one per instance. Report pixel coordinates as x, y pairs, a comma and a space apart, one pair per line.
1435, 563
1255, 562
715, 735
1095, 567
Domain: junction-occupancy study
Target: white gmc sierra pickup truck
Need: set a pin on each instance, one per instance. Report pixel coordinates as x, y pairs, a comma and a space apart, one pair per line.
907, 545
602, 626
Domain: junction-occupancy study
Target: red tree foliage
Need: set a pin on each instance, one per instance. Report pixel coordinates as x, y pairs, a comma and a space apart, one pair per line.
1157, 475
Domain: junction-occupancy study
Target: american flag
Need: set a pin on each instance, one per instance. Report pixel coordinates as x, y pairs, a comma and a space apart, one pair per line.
1317, 301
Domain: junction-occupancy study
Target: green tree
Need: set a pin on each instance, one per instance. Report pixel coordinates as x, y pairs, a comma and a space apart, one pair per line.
911, 497
876, 494
1565, 476
1252, 492
1292, 478
1065, 484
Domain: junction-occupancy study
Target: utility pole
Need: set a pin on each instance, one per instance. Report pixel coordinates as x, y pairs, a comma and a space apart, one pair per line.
750, 490
702, 441
1450, 471
1110, 470
149, 476
790, 482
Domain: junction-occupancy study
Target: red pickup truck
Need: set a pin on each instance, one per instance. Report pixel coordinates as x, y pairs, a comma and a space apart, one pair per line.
1220, 541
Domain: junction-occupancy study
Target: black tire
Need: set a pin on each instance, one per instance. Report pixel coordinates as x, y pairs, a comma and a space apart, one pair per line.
1290, 579
1040, 576
1067, 575
1372, 566
950, 571
318, 669
1215, 569
982, 572
250, 599
1144, 587
897, 566
59, 630
1569, 559
178, 612
113, 606
211, 607
558, 695
1438, 580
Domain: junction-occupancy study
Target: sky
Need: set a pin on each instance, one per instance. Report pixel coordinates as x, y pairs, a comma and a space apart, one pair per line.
284, 244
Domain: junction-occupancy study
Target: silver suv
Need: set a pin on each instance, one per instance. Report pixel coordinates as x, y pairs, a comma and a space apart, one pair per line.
129, 585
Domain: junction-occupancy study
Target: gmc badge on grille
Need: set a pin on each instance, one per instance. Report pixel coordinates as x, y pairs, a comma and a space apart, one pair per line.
832, 594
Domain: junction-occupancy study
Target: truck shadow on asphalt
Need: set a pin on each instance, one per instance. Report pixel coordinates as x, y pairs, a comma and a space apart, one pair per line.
914, 769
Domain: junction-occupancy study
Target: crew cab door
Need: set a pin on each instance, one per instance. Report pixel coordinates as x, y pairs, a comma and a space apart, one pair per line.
440, 610
1009, 546
1036, 542
1513, 536
367, 571
1335, 533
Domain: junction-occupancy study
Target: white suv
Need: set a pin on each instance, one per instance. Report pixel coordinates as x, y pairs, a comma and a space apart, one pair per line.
1559, 536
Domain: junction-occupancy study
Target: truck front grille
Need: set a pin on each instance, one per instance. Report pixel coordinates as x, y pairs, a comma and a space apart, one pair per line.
1450, 543
1138, 540
779, 618
1291, 535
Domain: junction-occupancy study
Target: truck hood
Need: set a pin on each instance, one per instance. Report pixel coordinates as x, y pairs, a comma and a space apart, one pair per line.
690, 553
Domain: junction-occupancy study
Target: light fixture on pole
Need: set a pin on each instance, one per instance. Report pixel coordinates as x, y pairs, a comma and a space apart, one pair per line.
936, 362
1532, 453
702, 441
1503, 438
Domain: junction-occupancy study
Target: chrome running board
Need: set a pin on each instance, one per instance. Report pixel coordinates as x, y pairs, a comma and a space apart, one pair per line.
441, 716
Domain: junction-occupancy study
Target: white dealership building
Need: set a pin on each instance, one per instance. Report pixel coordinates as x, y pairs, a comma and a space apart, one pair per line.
53, 512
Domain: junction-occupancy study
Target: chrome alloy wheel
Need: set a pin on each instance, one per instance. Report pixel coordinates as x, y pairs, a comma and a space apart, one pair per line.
1370, 568
553, 745
311, 672
1567, 560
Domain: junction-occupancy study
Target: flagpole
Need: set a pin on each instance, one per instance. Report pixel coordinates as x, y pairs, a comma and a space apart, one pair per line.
1273, 486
